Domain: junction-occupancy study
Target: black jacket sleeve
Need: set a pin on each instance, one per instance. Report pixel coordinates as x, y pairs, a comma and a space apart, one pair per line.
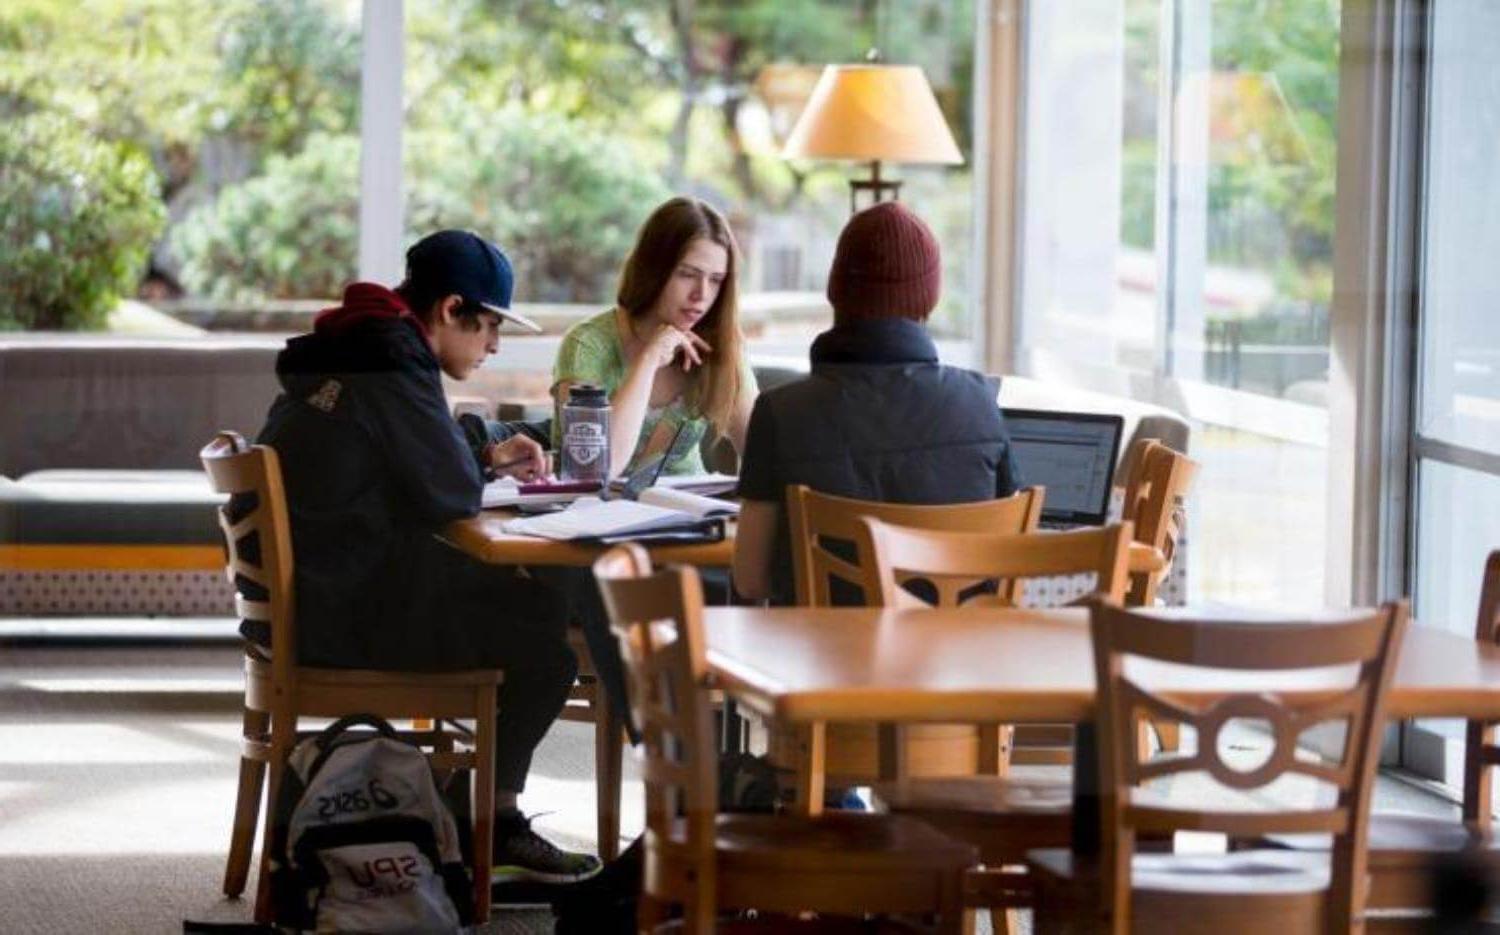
428, 457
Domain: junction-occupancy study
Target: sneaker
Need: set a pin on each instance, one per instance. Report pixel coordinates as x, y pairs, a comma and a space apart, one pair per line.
522, 854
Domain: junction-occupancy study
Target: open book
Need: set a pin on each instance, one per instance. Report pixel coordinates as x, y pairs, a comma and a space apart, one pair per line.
694, 504
656, 512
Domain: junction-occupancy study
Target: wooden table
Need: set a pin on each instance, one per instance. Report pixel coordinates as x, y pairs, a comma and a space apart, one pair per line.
482, 537
808, 666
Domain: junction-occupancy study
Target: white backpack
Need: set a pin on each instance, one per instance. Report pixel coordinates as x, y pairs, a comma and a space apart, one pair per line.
362, 841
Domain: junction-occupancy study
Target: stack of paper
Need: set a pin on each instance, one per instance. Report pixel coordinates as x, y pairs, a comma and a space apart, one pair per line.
590, 518
658, 510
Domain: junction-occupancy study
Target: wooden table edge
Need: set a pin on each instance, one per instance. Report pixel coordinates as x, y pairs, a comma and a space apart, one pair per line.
468, 536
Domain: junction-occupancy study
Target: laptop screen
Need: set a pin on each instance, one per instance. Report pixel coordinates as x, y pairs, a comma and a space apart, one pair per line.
655, 456
1072, 454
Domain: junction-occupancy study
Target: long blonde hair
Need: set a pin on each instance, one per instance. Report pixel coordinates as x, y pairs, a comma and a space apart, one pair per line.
659, 247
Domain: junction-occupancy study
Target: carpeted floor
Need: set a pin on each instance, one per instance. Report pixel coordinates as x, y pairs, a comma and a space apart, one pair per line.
117, 772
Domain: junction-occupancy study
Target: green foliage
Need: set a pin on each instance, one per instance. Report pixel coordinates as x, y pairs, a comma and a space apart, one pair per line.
551, 125
77, 217
1272, 157
134, 71
288, 69
290, 232
563, 201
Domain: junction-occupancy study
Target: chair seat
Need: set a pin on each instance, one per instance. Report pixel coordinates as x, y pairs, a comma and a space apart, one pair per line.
1189, 894
836, 842
1251, 873
1003, 816
982, 794
258, 666
334, 692
1401, 838
1402, 850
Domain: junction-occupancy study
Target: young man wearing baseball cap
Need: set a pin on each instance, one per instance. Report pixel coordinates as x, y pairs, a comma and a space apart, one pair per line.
374, 464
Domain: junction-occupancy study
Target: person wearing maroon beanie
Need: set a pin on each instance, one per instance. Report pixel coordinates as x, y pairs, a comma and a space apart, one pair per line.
887, 265
878, 417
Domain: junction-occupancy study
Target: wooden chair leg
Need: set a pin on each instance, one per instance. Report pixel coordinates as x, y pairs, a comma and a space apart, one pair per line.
952, 919
650, 913
246, 806
1143, 739
283, 737
811, 762
608, 750
890, 744
1005, 921
1168, 735
484, 801
994, 749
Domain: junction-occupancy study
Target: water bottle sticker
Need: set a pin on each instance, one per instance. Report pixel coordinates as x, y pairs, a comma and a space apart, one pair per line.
585, 442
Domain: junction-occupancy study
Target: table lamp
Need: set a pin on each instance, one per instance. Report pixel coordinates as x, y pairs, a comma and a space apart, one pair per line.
877, 113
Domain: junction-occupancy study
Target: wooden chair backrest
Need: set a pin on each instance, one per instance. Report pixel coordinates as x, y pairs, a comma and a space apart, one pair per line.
258, 544
1156, 484
1483, 748
1368, 640
896, 553
815, 518
658, 620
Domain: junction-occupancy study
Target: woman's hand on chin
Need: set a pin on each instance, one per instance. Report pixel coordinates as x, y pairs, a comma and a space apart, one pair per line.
669, 343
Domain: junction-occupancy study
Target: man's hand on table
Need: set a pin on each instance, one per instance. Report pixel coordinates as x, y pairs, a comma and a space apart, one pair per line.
519, 457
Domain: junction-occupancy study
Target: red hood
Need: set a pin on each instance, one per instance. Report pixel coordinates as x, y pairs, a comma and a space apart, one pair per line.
364, 301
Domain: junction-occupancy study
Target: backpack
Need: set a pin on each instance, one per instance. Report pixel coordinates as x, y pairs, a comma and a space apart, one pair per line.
361, 839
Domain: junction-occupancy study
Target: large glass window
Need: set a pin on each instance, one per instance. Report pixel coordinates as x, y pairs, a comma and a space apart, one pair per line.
1456, 433
557, 128
206, 150
1177, 247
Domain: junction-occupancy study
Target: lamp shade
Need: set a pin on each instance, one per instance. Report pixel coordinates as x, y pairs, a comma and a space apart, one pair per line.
873, 112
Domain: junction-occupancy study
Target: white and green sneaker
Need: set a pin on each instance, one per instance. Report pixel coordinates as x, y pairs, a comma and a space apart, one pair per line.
521, 854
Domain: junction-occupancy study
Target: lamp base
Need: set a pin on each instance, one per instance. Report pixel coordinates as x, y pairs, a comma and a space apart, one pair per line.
875, 185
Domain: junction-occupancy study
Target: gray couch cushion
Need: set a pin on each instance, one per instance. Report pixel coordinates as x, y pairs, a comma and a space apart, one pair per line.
109, 508
111, 402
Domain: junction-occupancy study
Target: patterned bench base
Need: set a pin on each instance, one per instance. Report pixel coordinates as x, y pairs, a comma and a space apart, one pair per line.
76, 592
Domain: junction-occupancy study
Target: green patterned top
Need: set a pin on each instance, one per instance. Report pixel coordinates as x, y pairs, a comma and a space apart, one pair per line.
591, 352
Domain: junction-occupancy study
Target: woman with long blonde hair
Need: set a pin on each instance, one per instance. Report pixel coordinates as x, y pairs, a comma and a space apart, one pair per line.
670, 352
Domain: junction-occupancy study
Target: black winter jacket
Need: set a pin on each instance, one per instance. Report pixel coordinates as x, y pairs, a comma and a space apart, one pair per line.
373, 465
878, 418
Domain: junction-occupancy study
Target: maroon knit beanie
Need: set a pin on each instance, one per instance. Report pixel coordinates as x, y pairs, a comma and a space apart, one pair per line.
887, 265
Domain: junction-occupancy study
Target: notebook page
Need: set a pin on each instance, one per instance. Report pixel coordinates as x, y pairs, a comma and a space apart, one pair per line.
688, 502
589, 517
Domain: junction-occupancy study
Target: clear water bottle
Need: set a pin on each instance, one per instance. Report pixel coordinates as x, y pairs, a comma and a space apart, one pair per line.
585, 434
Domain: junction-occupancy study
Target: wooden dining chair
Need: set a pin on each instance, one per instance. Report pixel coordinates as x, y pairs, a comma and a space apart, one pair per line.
839, 864
823, 528
1405, 847
279, 691
1156, 486
953, 560
589, 703
1157, 480
1002, 815
1250, 890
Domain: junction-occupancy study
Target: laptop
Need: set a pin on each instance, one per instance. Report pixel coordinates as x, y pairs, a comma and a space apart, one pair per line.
1073, 455
652, 460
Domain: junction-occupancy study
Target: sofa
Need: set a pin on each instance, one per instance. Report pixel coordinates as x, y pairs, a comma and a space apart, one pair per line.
103, 509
